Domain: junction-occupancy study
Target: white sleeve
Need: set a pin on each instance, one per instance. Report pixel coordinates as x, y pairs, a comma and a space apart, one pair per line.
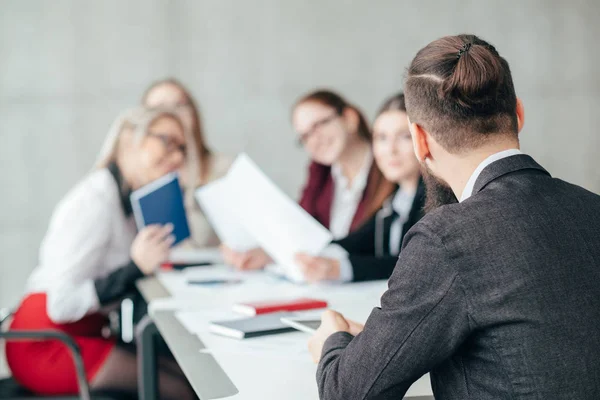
72, 253
337, 252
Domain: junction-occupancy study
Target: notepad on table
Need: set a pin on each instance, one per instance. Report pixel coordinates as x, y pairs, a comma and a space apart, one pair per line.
261, 325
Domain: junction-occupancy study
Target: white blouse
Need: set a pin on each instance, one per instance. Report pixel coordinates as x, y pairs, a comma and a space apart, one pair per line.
88, 238
402, 204
346, 198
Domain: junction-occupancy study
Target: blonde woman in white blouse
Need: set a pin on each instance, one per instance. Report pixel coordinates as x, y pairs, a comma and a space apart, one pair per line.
91, 256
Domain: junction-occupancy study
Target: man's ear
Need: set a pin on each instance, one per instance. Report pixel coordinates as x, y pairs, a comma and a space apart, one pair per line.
420, 143
520, 115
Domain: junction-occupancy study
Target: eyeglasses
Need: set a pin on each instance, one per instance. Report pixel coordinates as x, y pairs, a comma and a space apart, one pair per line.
169, 144
303, 137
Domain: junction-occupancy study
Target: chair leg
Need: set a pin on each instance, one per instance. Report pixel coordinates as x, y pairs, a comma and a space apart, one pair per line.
146, 339
84, 388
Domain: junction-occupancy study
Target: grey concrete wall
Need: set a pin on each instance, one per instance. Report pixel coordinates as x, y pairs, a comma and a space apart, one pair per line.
68, 66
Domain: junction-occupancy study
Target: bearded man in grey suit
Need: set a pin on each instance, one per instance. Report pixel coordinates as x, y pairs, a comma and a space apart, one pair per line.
497, 289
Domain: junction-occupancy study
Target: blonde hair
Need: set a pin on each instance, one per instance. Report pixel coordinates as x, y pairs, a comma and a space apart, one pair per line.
139, 120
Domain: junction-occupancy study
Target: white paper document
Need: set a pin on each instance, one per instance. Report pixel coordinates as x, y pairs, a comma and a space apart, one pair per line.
287, 346
278, 223
218, 202
197, 321
247, 204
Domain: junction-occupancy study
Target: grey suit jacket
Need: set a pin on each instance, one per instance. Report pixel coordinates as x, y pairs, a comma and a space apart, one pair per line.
498, 297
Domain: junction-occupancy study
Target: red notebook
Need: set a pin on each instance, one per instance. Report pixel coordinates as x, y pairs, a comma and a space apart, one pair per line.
270, 306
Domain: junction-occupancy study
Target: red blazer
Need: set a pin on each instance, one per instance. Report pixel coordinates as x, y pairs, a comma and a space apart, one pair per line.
317, 195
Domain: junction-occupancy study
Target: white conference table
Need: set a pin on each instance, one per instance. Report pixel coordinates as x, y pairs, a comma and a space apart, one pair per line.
271, 367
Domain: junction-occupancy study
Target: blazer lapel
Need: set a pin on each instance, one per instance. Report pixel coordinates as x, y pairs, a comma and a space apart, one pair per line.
505, 166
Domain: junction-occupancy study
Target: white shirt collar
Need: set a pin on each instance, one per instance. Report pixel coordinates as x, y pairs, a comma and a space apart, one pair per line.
402, 202
468, 191
360, 180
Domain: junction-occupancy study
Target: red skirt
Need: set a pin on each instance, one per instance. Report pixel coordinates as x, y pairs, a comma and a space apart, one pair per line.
46, 367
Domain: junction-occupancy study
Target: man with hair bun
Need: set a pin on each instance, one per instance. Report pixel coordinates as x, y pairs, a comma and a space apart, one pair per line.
497, 289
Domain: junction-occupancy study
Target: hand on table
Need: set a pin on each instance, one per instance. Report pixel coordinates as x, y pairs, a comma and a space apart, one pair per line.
331, 322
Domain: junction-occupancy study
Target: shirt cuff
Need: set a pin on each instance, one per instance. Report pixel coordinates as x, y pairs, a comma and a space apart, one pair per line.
338, 253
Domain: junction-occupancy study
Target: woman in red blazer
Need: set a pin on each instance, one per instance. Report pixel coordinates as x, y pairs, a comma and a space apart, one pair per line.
345, 187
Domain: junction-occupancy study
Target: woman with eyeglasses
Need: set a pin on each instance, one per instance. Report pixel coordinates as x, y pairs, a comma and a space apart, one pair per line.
345, 187
371, 252
92, 255
211, 165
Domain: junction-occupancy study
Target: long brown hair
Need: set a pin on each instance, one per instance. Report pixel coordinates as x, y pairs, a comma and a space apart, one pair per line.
393, 103
461, 91
378, 188
197, 130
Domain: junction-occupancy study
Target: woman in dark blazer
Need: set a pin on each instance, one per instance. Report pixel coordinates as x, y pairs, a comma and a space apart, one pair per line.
371, 251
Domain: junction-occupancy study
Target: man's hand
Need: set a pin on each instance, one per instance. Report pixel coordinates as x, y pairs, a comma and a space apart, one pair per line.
331, 322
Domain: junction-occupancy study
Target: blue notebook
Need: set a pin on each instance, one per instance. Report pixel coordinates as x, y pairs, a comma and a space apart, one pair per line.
161, 202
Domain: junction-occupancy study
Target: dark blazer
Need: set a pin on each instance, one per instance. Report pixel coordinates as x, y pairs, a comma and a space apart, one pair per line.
317, 195
498, 297
369, 246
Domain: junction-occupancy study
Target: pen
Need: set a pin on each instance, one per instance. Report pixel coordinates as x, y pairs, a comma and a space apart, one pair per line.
210, 282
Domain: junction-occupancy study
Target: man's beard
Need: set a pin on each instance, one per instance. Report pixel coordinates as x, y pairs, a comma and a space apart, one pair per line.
437, 192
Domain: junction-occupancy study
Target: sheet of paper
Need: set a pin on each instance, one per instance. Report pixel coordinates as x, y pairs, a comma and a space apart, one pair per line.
355, 300
197, 321
254, 286
286, 345
218, 201
278, 223
216, 272
190, 255
169, 304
